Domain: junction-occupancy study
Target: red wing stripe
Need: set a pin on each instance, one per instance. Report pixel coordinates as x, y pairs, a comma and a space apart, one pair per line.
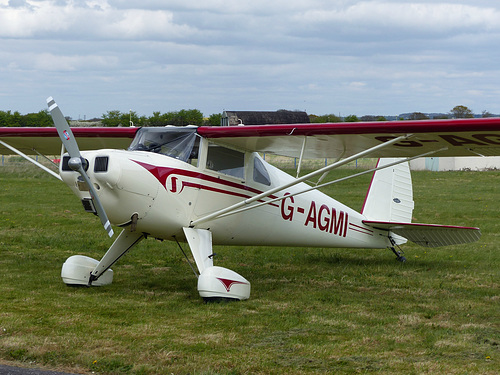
78, 132
384, 127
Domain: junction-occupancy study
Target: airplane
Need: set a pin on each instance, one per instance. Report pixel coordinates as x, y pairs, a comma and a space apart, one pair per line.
210, 186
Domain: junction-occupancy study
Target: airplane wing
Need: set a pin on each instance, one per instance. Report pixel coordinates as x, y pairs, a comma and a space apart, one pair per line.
429, 235
457, 137
46, 141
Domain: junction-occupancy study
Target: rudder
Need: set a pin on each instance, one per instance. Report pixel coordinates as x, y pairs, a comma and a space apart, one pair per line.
390, 195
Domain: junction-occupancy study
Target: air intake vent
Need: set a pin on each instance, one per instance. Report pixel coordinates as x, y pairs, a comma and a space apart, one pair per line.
65, 166
101, 164
88, 205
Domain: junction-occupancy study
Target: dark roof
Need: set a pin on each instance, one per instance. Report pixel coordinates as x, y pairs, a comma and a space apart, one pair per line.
264, 117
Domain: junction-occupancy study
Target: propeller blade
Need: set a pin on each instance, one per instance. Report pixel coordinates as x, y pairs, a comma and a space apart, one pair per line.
97, 203
76, 162
63, 129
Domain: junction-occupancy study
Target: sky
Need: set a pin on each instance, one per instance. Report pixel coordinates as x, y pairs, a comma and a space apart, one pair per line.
345, 57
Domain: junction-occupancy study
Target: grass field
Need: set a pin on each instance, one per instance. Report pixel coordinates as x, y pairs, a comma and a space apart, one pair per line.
311, 310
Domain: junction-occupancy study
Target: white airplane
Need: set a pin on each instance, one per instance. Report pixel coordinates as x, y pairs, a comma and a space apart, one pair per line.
209, 186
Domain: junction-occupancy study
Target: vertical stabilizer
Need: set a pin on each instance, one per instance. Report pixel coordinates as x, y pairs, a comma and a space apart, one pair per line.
390, 196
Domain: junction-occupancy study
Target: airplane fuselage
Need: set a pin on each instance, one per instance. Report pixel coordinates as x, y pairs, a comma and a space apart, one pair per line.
167, 194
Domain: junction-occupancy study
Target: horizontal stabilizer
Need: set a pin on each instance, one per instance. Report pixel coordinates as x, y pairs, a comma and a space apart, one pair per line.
429, 235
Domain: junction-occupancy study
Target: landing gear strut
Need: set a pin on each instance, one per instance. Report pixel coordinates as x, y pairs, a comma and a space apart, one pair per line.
214, 283
399, 253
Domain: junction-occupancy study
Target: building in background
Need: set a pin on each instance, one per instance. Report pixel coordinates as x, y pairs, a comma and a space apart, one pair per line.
475, 163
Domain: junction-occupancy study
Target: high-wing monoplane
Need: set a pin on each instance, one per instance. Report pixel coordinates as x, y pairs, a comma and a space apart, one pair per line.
210, 186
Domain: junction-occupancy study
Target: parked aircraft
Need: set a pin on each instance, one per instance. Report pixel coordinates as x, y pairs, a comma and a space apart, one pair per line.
209, 186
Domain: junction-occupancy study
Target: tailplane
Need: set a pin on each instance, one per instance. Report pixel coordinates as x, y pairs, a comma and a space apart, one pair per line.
389, 206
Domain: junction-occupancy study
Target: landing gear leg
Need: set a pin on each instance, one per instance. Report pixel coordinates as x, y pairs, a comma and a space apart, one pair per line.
399, 253
123, 243
85, 271
214, 283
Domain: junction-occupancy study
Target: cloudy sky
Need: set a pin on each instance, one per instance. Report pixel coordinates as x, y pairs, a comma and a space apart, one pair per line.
323, 56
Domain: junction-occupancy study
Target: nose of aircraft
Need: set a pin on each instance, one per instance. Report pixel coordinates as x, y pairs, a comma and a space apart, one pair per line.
123, 187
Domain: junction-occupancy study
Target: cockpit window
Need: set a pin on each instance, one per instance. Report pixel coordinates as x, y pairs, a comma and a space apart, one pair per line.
179, 143
225, 160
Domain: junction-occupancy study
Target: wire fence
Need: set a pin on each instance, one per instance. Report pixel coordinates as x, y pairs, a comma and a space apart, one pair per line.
281, 162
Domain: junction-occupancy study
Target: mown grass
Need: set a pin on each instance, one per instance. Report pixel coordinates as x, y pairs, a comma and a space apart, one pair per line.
311, 310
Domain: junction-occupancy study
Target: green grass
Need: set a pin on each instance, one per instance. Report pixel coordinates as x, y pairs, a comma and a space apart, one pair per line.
311, 310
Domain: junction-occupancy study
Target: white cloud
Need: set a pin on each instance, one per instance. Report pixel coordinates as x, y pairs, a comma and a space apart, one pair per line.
73, 63
88, 20
390, 19
215, 54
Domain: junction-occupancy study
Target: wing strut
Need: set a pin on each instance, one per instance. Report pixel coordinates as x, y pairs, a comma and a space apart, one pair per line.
329, 183
298, 180
326, 173
39, 165
301, 156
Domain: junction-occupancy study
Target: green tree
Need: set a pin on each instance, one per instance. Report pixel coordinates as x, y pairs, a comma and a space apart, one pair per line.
5, 118
155, 120
189, 117
325, 118
16, 119
214, 119
418, 116
112, 118
40, 119
461, 111
351, 118
116, 118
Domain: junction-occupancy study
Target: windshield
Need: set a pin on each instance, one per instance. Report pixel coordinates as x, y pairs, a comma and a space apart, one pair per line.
179, 143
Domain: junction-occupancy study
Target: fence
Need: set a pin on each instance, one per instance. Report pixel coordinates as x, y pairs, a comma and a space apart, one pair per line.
281, 162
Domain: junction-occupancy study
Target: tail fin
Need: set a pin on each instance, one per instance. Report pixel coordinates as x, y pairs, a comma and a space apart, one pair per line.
389, 206
390, 196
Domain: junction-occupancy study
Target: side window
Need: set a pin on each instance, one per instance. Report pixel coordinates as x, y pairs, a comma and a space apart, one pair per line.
260, 174
225, 160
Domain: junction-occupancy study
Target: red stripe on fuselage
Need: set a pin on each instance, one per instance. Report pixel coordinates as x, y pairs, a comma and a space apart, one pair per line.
162, 173
357, 228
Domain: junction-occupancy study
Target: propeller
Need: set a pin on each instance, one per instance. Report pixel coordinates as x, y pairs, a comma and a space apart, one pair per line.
76, 162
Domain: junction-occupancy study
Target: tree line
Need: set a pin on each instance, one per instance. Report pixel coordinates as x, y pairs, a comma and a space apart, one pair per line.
40, 119
194, 117
459, 111
177, 118
114, 118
